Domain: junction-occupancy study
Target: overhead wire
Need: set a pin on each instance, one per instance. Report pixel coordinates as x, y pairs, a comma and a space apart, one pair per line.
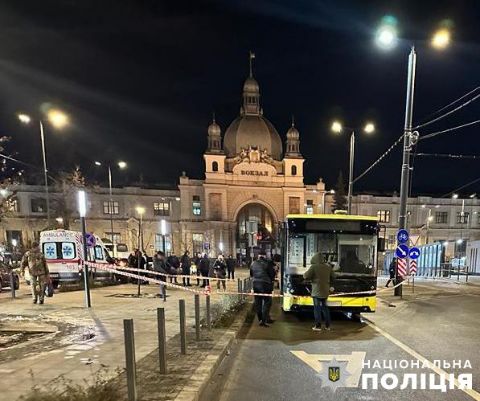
460, 188
451, 111
433, 134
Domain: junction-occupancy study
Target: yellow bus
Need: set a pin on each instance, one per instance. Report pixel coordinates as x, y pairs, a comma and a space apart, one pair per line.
348, 243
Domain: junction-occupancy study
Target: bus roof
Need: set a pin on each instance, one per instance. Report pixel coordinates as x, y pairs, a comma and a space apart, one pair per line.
332, 217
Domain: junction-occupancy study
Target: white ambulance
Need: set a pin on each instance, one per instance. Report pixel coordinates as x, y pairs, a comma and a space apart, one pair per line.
63, 250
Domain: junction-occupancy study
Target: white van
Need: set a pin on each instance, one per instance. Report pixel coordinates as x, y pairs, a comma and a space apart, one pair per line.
63, 250
118, 251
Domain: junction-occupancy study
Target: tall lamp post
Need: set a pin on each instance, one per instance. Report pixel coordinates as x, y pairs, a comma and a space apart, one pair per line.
57, 119
82, 211
121, 165
337, 127
163, 231
140, 211
387, 39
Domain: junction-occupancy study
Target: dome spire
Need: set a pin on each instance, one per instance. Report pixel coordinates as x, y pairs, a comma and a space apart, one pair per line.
214, 137
293, 121
251, 56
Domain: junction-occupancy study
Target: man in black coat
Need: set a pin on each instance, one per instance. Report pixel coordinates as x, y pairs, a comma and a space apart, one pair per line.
204, 269
186, 264
392, 270
231, 263
263, 276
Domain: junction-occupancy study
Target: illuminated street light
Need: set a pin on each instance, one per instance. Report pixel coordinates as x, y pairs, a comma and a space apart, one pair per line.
369, 128
336, 127
4, 192
57, 118
459, 241
122, 164
82, 211
386, 37
455, 196
24, 118
445, 243
441, 39
97, 163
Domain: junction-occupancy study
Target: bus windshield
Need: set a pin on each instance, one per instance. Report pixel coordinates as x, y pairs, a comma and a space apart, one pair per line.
347, 253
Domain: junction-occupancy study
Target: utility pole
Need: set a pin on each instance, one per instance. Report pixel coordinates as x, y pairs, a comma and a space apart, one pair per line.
350, 174
407, 146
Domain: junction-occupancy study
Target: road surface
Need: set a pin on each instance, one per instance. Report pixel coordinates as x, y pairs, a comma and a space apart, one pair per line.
440, 322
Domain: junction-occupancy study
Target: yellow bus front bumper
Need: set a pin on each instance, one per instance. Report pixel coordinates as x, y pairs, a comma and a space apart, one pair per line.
360, 304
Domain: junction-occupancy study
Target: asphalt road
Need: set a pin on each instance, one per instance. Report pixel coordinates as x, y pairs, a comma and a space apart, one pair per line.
282, 362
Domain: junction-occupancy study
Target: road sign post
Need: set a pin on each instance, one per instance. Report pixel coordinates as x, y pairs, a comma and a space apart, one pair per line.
401, 253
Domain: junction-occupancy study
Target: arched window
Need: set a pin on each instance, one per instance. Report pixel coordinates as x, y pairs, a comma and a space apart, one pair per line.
294, 170
215, 166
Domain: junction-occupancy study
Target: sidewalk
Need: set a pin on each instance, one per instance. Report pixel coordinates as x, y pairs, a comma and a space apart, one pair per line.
98, 340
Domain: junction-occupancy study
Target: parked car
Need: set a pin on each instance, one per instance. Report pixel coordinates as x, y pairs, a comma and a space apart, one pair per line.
5, 277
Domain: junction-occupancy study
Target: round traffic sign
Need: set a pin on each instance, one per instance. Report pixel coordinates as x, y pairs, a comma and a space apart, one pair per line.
402, 236
414, 253
90, 239
402, 251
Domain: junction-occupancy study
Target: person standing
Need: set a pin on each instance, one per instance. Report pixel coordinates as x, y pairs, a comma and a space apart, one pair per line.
186, 264
160, 266
321, 276
231, 264
263, 275
219, 269
196, 262
392, 270
38, 269
204, 269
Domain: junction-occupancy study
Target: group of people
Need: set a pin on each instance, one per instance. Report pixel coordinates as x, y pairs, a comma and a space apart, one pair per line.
172, 266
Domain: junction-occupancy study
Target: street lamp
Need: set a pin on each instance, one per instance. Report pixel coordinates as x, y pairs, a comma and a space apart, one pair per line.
82, 211
163, 231
121, 165
57, 119
140, 211
337, 127
386, 37
441, 39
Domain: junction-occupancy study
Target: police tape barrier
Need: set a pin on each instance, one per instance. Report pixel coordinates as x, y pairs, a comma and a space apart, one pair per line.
114, 269
172, 275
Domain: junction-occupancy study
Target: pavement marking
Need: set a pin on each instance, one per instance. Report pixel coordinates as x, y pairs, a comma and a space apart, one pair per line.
472, 393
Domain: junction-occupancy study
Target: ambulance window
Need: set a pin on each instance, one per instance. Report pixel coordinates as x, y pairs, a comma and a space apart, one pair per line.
50, 250
98, 252
91, 255
68, 250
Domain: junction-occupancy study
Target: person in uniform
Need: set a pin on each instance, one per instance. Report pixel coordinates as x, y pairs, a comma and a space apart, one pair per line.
38, 269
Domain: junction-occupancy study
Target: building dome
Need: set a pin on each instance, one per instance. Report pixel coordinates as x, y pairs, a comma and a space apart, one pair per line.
255, 131
293, 133
251, 85
214, 129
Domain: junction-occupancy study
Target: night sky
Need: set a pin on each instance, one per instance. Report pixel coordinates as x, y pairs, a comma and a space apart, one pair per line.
140, 80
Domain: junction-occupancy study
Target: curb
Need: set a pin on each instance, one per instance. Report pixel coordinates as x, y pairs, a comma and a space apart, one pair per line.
207, 368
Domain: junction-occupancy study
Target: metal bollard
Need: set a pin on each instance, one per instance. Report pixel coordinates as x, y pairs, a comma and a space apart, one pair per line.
183, 328
164, 292
129, 336
197, 317
12, 284
239, 289
245, 289
209, 316
162, 341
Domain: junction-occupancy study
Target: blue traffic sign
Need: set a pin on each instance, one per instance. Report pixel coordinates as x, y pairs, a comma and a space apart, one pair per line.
401, 251
402, 236
414, 253
91, 241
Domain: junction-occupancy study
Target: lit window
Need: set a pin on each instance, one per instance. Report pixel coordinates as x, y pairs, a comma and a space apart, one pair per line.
441, 217
463, 217
196, 205
383, 216
110, 207
161, 208
309, 206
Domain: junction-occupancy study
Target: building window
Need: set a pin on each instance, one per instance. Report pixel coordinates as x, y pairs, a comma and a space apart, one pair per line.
14, 238
197, 242
383, 216
215, 166
117, 237
294, 170
294, 205
161, 208
462, 217
163, 243
441, 217
309, 207
38, 205
110, 207
196, 205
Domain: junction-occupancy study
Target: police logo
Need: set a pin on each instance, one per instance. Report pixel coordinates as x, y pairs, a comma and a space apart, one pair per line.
333, 373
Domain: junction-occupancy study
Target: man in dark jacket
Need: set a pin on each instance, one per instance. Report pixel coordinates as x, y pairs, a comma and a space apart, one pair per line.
186, 264
392, 270
321, 276
231, 263
204, 269
263, 276
160, 266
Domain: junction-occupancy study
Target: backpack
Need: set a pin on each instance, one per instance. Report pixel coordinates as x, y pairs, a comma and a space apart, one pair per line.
36, 263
